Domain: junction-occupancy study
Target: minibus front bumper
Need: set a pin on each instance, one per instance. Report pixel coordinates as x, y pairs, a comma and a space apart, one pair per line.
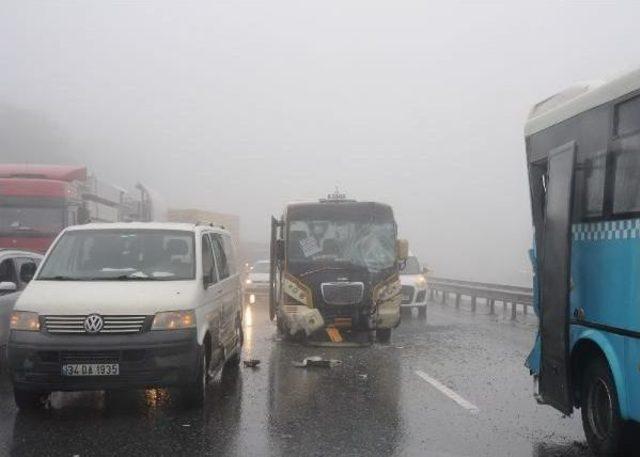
148, 359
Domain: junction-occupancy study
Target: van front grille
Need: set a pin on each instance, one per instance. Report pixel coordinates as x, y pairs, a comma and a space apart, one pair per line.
112, 324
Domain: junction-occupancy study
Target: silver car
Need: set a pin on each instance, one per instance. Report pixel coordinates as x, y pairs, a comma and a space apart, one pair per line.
17, 267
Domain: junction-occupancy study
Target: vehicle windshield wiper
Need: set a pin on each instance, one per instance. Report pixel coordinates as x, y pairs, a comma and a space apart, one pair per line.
317, 270
127, 278
61, 278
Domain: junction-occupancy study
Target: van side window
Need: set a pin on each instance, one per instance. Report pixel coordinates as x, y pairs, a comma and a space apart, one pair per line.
208, 265
221, 258
230, 251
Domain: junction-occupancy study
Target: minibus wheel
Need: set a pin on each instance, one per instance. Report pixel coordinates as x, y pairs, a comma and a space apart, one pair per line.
405, 311
383, 335
603, 426
28, 399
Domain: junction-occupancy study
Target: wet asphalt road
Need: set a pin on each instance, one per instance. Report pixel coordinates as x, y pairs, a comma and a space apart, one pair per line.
372, 404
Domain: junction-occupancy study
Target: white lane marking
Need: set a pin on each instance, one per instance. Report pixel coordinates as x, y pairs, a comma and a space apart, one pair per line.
449, 393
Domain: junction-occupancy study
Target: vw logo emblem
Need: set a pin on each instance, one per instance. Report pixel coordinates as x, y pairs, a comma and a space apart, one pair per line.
93, 323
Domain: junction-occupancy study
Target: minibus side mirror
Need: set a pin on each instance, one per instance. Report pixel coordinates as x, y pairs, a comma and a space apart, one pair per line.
27, 271
402, 250
207, 279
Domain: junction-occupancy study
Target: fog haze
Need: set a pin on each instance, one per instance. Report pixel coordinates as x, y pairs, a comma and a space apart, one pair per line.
240, 107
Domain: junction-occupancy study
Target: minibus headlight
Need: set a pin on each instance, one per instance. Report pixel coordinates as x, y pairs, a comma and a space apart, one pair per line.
297, 290
25, 320
174, 320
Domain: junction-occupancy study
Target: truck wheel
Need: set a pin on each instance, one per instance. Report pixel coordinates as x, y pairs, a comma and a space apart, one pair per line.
603, 426
383, 335
422, 312
194, 393
28, 400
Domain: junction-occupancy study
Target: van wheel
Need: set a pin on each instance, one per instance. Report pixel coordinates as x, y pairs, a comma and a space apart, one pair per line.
383, 335
194, 393
234, 360
28, 400
604, 428
422, 312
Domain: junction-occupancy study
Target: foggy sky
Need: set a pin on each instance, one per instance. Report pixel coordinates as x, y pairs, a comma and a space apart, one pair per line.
241, 107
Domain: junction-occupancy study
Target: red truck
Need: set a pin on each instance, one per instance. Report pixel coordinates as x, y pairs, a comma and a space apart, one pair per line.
38, 201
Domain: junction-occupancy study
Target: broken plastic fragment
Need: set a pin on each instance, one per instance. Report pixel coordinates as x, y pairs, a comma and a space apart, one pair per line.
317, 361
251, 363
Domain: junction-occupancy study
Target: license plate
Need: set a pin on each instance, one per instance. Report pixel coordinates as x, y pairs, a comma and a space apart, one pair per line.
406, 297
91, 369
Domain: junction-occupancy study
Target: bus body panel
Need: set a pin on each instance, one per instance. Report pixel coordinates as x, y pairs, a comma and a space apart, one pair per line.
606, 273
612, 346
632, 371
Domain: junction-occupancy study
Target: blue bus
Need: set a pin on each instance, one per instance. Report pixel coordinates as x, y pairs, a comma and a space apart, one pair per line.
583, 158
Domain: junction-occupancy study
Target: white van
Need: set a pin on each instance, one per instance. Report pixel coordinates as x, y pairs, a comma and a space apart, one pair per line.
128, 305
414, 287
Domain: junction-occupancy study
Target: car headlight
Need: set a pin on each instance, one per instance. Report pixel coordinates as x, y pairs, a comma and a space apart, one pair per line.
247, 281
174, 320
421, 282
25, 320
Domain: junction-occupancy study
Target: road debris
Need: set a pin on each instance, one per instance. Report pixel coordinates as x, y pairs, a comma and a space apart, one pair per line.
317, 361
251, 363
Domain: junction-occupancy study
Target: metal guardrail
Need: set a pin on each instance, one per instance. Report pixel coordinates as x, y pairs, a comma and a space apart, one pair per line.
509, 296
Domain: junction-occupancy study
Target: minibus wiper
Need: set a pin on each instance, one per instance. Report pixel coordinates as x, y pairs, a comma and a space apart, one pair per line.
317, 270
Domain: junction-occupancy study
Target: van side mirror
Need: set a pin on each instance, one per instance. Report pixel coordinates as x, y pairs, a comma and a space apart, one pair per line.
7, 287
27, 271
207, 279
402, 250
280, 249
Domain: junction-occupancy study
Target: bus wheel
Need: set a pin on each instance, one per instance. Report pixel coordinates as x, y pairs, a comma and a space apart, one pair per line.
601, 420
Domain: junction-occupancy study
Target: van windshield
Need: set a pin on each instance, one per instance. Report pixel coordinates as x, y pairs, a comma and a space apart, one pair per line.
411, 267
261, 267
124, 255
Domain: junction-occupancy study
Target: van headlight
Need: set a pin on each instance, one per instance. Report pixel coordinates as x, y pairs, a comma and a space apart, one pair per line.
421, 282
248, 281
25, 320
174, 320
